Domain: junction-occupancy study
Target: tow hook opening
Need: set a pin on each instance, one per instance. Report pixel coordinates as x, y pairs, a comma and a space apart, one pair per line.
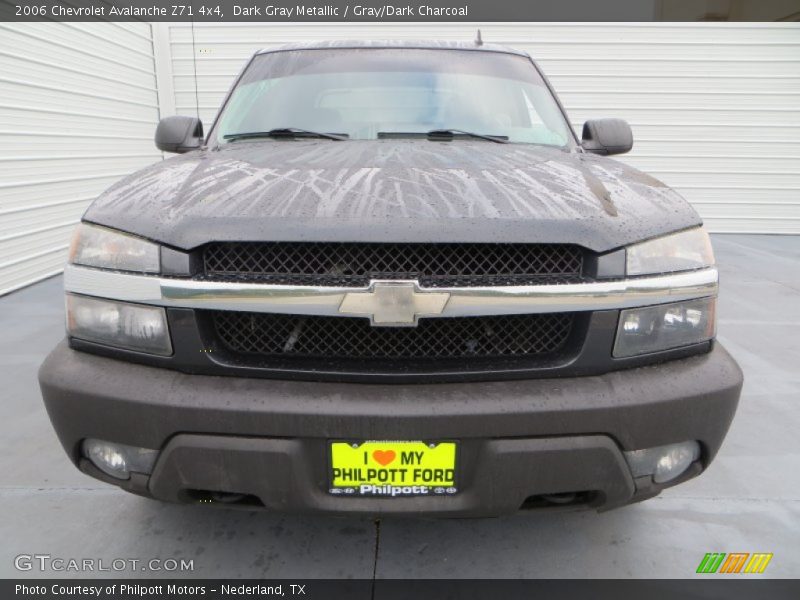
563, 499
226, 498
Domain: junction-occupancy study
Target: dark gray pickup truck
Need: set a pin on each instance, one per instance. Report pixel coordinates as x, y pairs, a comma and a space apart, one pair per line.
391, 280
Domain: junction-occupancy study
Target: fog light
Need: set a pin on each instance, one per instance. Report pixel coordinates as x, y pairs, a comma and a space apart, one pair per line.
119, 460
664, 463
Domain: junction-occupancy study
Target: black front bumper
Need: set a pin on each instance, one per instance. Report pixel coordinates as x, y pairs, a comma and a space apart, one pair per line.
268, 439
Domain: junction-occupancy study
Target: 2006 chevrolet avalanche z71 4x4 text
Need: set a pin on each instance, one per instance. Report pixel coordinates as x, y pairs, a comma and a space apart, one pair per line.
391, 281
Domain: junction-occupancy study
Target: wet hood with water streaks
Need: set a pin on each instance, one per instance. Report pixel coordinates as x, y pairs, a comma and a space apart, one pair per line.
391, 190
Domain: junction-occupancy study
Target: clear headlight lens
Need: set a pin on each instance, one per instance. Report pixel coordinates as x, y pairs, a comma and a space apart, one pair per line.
665, 326
684, 251
94, 246
121, 324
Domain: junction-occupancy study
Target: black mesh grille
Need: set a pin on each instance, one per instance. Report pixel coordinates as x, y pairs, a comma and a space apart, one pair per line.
354, 264
345, 337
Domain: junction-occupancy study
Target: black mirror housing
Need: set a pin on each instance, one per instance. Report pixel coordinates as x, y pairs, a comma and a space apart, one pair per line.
179, 134
607, 136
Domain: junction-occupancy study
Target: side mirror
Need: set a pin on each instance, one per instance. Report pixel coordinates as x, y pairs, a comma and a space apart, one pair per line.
607, 136
179, 134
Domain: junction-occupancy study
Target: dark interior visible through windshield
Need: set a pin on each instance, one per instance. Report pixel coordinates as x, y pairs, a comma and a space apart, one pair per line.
367, 93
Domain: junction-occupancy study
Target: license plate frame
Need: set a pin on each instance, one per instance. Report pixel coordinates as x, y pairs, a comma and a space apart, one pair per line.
400, 472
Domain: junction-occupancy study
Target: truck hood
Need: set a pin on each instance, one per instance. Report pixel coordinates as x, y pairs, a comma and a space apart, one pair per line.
391, 191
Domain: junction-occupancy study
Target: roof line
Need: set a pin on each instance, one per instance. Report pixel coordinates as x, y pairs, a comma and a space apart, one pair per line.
388, 44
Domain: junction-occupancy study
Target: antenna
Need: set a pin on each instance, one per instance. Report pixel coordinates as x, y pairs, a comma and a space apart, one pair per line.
478, 39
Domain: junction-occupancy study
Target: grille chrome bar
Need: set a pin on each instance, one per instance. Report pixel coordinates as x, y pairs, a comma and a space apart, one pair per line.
326, 301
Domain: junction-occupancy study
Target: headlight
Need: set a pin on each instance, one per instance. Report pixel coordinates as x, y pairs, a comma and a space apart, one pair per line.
684, 251
121, 324
95, 246
665, 326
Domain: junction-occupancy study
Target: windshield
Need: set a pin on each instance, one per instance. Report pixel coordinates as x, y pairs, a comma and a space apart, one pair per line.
367, 93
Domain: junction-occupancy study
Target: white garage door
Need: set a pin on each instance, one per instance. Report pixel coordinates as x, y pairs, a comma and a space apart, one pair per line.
78, 107
715, 108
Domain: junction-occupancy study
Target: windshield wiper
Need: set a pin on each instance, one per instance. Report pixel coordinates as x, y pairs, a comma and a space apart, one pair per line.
442, 135
451, 133
282, 132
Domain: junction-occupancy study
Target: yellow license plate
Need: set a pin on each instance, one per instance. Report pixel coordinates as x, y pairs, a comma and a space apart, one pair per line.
390, 469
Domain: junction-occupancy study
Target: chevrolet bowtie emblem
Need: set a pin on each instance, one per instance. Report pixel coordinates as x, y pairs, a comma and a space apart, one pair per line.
394, 303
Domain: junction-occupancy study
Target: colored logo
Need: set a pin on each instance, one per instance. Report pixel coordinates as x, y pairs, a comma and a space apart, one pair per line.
735, 562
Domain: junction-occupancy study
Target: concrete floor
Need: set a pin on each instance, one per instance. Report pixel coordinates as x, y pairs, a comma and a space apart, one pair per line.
749, 500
